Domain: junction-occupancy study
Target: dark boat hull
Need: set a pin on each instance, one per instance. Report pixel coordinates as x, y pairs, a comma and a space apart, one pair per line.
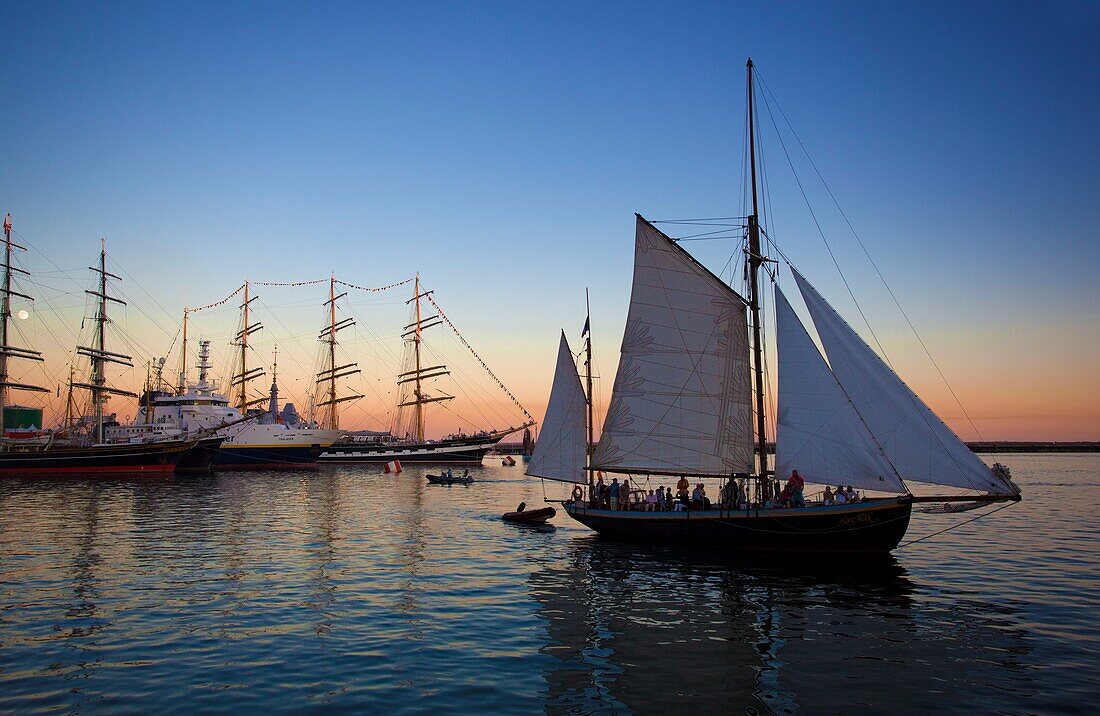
530, 516
444, 480
872, 526
143, 458
202, 457
268, 457
468, 451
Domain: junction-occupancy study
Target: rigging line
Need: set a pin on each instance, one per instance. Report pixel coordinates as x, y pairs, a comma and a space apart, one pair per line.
867, 253
137, 283
948, 529
727, 237
697, 221
821, 232
470, 348
711, 233
912, 395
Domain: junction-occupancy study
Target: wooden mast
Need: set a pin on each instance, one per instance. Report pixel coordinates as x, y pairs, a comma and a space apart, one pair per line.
755, 259
245, 375
414, 332
6, 349
588, 384
416, 341
333, 418
333, 371
181, 387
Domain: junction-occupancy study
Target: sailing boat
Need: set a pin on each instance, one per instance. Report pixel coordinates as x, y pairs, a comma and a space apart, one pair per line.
88, 453
414, 448
682, 407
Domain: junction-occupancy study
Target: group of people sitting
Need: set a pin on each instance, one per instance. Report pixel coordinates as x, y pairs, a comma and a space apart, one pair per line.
842, 496
732, 496
620, 496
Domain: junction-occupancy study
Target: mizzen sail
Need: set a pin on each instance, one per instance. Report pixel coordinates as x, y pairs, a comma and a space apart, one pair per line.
819, 433
681, 399
559, 452
916, 441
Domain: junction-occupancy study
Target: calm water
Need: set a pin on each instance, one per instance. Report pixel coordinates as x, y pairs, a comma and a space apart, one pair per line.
351, 589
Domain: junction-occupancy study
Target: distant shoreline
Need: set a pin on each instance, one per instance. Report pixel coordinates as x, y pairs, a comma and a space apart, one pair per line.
515, 448
1009, 446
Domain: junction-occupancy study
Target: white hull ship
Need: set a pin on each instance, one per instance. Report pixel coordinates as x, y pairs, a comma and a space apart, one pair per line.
260, 444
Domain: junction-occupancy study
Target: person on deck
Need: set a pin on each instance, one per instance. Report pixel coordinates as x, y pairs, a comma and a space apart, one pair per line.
659, 503
839, 497
597, 492
682, 487
613, 493
827, 497
669, 500
795, 485
851, 494
624, 495
651, 502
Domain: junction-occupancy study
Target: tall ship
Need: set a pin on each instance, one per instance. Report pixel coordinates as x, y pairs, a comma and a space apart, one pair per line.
690, 389
82, 446
407, 441
266, 442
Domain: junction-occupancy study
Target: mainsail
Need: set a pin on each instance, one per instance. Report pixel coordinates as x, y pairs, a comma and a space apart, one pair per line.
916, 441
681, 399
819, 433
559, 452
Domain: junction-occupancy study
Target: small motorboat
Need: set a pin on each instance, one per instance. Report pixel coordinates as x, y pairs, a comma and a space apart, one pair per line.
524, 515
446, 479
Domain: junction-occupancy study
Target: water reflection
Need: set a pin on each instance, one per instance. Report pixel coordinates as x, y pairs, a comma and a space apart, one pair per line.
644, 631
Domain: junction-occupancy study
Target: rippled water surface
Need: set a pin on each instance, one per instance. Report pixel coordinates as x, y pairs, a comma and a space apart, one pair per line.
350, 589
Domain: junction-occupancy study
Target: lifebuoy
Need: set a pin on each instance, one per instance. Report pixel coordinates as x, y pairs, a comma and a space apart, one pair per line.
578, 493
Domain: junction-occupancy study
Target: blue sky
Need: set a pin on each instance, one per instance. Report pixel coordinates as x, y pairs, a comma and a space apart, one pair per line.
502, 148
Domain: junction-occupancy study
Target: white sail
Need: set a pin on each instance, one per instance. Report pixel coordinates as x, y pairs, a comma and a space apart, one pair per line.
917, 442
681, 399
559, 452
819, 433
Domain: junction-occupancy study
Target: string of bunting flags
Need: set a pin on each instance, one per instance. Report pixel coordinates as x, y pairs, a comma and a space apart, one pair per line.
380, 288
217, 303
476, 356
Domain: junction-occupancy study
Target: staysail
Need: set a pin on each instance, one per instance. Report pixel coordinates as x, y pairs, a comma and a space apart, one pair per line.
681, 399
916, 441
819, 433
559, 452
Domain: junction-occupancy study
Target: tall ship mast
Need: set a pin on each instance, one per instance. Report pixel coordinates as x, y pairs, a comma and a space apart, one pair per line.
9, 351
98, 354
690, 380
239, 381
328, 377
